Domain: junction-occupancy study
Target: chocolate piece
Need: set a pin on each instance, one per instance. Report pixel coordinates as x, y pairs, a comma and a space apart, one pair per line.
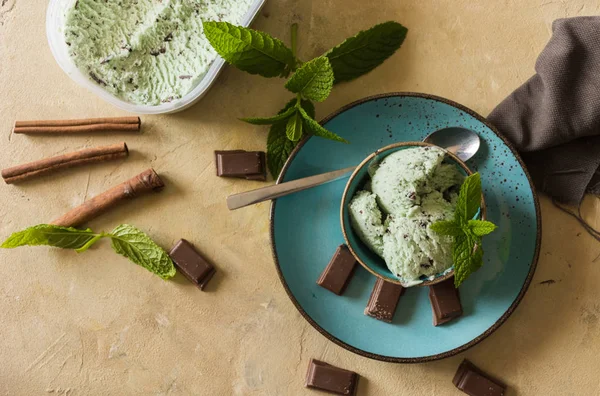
337, 274
242, 164
475, 382
191, 264
384, 300
445, 302
331, 379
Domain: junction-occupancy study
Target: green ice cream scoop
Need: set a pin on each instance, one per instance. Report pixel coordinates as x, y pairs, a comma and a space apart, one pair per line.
146, 52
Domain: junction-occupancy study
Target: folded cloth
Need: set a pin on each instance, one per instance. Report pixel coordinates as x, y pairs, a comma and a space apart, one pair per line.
553, 119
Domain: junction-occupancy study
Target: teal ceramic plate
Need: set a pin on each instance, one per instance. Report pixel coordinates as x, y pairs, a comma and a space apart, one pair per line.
305, 232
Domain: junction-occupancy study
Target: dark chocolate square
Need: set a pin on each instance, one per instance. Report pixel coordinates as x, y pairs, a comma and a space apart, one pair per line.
474, 382
328, 378
384, 300
191, 264
249, 165
337, 274
445, 302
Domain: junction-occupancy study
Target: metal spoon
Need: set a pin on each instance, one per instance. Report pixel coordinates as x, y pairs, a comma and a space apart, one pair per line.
460, 141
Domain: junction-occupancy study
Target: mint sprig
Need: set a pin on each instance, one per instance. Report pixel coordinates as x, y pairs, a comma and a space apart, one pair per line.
258, 53
126, 240
467, 233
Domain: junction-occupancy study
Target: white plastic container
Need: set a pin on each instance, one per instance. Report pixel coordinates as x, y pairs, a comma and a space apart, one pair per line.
55, 18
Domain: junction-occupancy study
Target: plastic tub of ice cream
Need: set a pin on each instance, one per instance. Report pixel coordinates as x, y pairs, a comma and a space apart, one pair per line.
55, 19
359, 245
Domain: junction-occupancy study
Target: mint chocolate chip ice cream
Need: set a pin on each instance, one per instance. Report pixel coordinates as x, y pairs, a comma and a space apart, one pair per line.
409, 190
146, 51
365, 216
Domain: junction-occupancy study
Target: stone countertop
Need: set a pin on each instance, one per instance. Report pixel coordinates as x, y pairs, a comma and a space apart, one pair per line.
96, 324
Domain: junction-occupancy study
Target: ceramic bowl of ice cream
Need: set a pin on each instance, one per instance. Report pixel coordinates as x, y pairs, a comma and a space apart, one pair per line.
388, 205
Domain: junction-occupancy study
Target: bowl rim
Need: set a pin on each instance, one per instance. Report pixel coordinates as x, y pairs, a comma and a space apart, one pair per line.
501, 320
344, 208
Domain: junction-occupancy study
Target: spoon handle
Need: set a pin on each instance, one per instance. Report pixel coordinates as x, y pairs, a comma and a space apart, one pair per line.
240, 200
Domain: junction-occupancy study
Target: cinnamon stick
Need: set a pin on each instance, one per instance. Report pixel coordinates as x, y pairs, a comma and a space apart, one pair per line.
119, 124
143, 183
47, 165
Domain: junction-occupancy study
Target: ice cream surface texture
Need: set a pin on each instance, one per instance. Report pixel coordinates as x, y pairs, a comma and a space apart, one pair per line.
146, 51
409, 190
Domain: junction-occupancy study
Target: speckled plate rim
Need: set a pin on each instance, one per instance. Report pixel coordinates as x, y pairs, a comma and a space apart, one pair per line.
496, 324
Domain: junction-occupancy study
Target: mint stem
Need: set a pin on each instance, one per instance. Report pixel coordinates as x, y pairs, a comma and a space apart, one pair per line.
294, 32
90, 242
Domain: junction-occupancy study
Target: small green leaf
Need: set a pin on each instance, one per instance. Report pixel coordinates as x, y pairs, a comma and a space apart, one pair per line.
271, 120
447, 227
469, 199
139, 248
293, 129
481, 227
308, 107
279, 148
467, 255
50, 235
249, 50
362, 53
313, 80
316, 129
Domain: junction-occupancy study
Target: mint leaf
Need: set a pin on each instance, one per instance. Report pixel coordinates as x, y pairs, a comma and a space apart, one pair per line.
139, 248
316, 129
313, 80
293, 129
362, 53
447, 227
308, 107
271, 120
481, 227
50, 235
467, 256
469, 199
249, 50
279, 148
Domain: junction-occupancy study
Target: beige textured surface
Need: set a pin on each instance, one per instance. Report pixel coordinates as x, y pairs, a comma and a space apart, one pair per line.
95, 324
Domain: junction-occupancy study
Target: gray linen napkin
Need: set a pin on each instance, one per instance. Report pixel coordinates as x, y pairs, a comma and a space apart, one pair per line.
553, 119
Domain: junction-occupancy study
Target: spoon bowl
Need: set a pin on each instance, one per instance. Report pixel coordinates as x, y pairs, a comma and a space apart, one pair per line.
462, 142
